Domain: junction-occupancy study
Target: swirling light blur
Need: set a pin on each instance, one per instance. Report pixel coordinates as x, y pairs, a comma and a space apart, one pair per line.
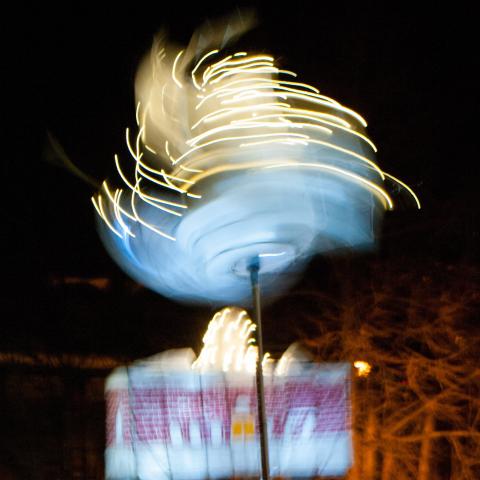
234, 159
228, 344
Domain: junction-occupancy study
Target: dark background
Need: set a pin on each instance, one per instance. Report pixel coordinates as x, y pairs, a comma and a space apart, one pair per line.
70, 71
408, 72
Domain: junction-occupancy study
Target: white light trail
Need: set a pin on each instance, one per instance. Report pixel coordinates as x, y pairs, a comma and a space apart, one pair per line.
227, 343
230, 153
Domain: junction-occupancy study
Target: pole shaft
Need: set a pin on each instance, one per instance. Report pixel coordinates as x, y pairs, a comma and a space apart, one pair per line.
262, 418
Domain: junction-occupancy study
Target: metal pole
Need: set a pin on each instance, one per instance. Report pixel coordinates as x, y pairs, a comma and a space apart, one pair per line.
262, 418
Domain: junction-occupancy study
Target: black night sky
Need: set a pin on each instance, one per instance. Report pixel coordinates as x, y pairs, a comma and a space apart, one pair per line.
71, 74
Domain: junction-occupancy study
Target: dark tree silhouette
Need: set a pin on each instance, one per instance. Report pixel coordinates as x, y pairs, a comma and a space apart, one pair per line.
417, 413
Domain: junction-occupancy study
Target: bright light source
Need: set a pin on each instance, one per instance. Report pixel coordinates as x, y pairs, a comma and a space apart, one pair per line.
363, 368
227, 344
235, 158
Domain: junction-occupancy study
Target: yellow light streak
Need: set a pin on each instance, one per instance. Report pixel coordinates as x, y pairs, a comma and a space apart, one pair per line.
286, 135
137, 144
141, 165
223, 112
226, 64
252, 95
409, 190
320, 115
249, 126
283, 141
318, 99
246, 166
96, 207
243, 102
320, 120
167, 151
165, 184
267, 81
118, 215
212, 52
276, 86
214, 65
136, 114
144, 119
116, 202
110, 226
245, 71
351, 153
146, 224
139, 192
190, 170
288, 72
245, 63
230, 139
375, 188
136, 189
162, 101
174, 67
150, 149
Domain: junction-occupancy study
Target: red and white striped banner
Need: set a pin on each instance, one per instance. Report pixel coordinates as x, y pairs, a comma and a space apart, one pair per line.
189, 425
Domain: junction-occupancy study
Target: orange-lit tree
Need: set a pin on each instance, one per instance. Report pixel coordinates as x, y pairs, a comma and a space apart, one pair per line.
416, 414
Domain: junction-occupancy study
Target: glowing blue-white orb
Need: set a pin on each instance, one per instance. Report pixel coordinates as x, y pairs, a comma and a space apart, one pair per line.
236, 159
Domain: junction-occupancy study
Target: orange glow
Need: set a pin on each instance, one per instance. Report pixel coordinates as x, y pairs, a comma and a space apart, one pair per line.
363, 368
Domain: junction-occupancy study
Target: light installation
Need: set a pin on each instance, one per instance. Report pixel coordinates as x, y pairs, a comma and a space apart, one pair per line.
238, 174
172, 416
234, 158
